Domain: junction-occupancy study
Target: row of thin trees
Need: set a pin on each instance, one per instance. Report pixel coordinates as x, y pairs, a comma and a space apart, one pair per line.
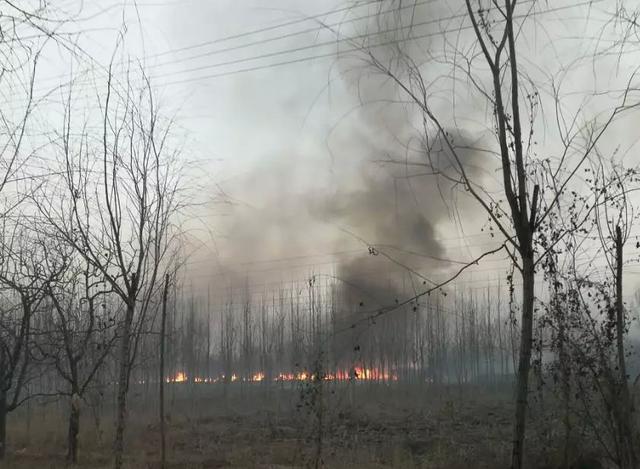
278, 336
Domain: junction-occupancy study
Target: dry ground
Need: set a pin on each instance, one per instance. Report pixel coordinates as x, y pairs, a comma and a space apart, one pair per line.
375, 427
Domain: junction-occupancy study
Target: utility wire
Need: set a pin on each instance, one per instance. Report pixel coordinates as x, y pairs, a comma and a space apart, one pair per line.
332, 54
248, 33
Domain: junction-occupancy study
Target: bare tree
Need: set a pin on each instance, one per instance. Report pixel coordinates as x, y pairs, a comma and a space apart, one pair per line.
614, 220
24, 283
118, 199
80, 334
25, 27
163, 323
488, 65
586, 312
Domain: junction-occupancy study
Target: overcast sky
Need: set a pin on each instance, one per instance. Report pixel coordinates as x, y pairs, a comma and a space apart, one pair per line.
290, 149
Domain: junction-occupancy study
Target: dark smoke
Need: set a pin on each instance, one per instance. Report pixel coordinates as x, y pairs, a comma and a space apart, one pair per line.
391, 216
370, 191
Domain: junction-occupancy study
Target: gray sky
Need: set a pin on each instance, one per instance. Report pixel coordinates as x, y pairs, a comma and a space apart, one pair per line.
293, 148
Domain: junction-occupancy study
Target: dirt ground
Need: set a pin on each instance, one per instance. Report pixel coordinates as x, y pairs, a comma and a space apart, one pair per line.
367, 427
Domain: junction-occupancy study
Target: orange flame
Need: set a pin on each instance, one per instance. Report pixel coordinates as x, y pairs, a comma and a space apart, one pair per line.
180, 377
355, 373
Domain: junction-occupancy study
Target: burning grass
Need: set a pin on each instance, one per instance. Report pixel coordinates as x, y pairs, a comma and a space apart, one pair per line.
357, 373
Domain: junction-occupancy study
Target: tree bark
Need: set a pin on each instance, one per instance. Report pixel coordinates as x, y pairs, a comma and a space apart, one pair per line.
524, 363
3, 424
566, 386
624, 405
161, 390
74, 429
123, 386
620, 310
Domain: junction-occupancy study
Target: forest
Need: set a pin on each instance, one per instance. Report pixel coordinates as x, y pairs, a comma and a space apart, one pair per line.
439, 273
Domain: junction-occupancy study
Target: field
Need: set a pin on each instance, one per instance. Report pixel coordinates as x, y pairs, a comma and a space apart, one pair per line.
365, 425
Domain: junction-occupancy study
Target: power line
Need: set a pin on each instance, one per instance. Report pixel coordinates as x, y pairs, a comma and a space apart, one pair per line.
252, 32
353, 49
328, 27
379, 272
269, 28
249, 291
333, 53
362, 250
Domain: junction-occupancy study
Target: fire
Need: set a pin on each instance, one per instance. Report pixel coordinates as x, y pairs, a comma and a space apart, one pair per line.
356, 373
180, 377
373, 374
198, 379
300, 376
340, 375
285, 377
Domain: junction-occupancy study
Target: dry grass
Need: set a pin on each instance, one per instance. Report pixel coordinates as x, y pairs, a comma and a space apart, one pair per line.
382, 428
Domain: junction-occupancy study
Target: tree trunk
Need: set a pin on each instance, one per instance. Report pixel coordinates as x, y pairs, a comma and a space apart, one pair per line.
524, 363
123, 386
74, 429
566, 386
161, 390
318, 401
3, 424
624, 405
28, 442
